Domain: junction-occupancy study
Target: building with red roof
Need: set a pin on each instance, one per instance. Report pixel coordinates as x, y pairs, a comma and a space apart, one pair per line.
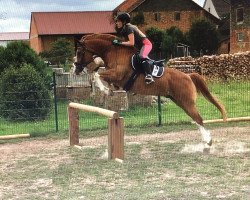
47, 27
7, 37
165, 14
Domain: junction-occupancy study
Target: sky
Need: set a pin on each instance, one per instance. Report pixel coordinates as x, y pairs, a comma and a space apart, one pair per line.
15, 14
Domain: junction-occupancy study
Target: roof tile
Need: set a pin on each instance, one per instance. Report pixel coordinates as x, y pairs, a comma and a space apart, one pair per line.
222, 7
11, 36
51, 23
128, 5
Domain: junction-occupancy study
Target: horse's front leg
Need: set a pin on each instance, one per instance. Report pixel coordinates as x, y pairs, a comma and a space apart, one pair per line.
99, 84
112, 75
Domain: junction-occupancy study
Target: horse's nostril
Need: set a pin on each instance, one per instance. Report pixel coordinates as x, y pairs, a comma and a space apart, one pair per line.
75, 64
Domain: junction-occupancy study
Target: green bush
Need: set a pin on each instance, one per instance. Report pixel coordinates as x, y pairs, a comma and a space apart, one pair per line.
61, 52
203, 37
155, 35
19, 53
171, 38
23, 94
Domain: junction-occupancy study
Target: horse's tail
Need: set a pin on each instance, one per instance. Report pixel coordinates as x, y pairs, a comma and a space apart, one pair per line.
201, 86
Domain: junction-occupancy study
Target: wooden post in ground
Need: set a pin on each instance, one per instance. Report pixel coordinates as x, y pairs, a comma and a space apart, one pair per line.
116, 138
73, 126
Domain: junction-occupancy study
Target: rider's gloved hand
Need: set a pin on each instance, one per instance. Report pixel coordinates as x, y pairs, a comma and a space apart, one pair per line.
116, 42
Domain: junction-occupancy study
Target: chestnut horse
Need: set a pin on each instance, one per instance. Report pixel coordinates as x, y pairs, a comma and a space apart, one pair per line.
179, 87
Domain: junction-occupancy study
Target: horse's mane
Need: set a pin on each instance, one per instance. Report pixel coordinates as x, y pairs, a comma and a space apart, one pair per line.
103, 39
108, 37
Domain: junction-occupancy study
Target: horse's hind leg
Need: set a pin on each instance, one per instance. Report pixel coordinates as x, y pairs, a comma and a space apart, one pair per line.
188, 105
206, 136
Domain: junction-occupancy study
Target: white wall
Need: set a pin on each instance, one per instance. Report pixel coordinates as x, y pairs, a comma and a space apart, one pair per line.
209, 6
3, 43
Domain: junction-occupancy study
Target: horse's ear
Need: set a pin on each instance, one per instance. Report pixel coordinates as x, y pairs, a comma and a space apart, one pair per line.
113, 16
78, 43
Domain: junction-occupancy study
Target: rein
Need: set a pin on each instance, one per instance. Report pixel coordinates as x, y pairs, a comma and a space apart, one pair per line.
86, 49
129, 83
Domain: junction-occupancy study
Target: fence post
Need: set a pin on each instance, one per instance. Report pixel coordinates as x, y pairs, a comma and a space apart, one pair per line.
73, 126
55, 100
116, 138
159, 110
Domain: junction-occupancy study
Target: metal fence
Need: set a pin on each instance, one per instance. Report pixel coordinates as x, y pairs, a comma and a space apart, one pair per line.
137, 110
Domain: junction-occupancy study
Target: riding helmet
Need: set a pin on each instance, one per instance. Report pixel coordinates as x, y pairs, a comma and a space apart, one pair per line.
123, 17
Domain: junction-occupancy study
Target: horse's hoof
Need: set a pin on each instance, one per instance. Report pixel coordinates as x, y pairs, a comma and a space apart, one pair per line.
107, 91
207, 147
210, 143
110, 93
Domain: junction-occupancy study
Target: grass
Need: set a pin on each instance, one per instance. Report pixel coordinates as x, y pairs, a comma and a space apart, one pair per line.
234, 95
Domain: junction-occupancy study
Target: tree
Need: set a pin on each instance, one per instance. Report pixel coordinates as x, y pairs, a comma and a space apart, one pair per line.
19, 53
155, 35
2, 61
171, 38
203, 37
62, 50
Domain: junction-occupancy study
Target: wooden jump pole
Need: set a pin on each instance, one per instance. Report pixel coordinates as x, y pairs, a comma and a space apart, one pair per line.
237, 119
115, 128
8, 137
100, 111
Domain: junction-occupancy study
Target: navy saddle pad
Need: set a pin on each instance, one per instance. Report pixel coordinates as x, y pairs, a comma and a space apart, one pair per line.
157, 66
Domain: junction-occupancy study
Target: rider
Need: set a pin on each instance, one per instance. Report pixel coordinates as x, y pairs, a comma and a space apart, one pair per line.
134, 37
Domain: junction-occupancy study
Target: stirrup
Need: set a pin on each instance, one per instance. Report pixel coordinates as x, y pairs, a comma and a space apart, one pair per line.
149, 79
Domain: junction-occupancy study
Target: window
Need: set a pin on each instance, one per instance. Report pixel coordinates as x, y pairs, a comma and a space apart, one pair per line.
177, 16
240, 37
157, 17
239, 15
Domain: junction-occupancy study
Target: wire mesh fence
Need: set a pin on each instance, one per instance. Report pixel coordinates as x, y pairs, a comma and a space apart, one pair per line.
137, 110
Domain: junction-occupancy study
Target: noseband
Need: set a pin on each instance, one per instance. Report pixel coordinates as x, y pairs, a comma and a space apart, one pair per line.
82, 65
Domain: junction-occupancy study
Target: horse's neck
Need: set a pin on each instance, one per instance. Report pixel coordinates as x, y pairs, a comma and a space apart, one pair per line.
112, 55
101, 47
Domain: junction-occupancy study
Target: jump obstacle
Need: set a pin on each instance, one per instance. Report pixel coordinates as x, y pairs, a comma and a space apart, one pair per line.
9, 137
115, 128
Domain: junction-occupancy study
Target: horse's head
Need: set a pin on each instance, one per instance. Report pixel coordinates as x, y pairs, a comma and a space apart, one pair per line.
83, 58
88, 53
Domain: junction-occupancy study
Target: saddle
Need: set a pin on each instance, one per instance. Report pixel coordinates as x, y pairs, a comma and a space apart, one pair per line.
136, 63
157, 66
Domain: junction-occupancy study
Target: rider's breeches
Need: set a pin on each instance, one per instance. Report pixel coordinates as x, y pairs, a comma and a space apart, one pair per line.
146, 48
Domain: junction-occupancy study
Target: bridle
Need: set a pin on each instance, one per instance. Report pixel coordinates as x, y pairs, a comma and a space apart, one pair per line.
82, 65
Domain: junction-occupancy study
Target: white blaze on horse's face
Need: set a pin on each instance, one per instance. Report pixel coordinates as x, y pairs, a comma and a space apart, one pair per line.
73, 65
73, 69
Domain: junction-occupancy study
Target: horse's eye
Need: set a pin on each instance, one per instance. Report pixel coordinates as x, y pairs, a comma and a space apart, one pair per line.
79, 52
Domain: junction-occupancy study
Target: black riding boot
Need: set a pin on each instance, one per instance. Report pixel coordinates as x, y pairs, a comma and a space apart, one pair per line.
147, 69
